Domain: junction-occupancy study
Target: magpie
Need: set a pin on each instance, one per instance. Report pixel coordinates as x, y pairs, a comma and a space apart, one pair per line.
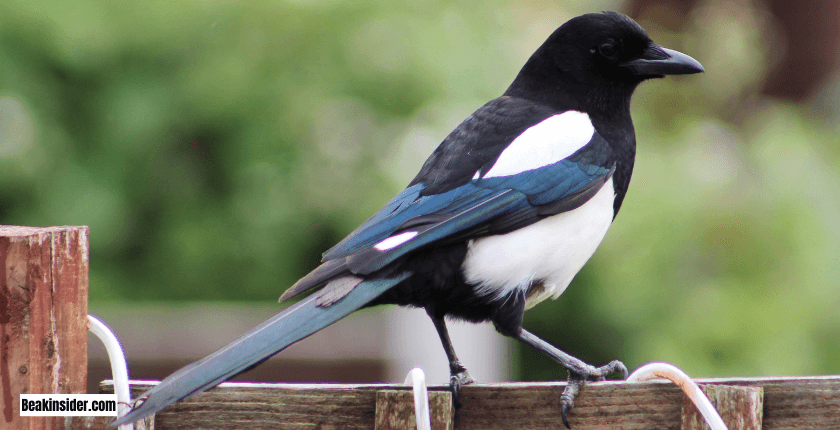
501, 216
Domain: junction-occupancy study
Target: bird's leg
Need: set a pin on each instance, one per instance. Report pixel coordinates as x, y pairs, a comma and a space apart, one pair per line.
579, 372
458, 373
508, 321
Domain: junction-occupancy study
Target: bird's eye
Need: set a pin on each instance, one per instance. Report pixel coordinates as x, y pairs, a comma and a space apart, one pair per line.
609, 49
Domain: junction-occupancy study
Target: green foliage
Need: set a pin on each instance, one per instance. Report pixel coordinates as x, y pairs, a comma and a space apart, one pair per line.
216, 148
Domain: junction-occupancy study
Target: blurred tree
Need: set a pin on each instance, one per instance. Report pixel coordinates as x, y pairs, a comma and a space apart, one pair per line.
804, 43
810, 47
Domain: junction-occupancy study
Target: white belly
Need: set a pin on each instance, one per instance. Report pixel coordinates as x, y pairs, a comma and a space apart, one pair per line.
551, 251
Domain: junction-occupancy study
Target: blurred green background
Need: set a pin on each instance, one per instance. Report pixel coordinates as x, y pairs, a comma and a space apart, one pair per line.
216, 148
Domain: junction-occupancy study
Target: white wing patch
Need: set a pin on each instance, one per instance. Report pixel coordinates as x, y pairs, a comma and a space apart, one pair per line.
395, 241
546, 143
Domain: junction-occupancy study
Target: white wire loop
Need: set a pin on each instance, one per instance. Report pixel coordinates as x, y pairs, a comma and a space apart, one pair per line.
119, 370
695, 394
417, 379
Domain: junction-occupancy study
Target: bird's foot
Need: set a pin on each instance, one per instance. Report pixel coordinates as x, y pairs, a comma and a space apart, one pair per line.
459, 378
577, 379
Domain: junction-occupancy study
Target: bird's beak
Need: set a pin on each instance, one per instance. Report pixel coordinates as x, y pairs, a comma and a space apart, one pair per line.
659, 61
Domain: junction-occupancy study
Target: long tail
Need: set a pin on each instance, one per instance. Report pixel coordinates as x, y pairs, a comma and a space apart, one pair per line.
269, 338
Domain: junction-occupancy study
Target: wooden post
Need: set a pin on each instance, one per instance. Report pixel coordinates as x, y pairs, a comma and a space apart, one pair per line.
43, 318
395, 410
740, 407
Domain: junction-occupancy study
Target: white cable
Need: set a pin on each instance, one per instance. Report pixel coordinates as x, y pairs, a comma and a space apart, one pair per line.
119, 370
417, 379
669, 371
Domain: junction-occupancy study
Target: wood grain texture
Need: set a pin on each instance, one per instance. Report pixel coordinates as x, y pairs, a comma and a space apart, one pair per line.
789, 403
43, 318
739, 407
395, 410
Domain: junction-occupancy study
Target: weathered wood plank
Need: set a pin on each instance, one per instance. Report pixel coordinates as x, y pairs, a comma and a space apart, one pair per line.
395, 410
739, 407
598, 406
43, 318
789, 403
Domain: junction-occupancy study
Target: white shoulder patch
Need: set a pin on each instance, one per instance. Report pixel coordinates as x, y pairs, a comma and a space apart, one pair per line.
546, 143
395, 241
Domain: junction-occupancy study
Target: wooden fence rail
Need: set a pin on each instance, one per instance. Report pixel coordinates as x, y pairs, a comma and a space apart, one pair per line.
784, 403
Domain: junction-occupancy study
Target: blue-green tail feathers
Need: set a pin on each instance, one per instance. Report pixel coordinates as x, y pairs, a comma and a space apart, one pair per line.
293, 324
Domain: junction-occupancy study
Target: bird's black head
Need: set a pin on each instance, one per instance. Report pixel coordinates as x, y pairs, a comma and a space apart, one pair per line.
596, 59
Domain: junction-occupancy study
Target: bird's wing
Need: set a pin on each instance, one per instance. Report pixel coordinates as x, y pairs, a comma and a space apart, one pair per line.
492, 204
479, 208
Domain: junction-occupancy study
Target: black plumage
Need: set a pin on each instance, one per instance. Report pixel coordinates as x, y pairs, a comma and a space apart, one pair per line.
543, 170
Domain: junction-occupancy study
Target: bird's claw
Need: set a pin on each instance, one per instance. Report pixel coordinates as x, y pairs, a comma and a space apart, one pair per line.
600, 373
458, 379
577, 379
567, 399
